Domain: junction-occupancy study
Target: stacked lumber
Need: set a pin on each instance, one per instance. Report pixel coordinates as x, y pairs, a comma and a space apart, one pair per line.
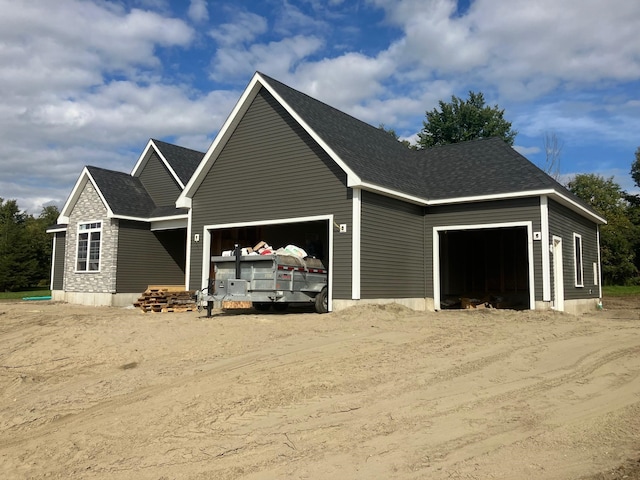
168, 298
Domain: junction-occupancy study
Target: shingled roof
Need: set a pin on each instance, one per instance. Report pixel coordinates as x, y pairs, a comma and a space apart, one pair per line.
183, 161
124, 194
478, 167
473, 169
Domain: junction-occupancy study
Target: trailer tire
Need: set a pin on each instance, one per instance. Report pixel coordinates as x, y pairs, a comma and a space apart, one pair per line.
322, 301
280, 306
262, 306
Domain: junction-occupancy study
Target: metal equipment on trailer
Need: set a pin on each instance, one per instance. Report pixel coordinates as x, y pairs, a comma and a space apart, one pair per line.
265, 281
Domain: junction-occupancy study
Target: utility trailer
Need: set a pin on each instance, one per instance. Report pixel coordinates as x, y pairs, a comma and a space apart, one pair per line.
265, 281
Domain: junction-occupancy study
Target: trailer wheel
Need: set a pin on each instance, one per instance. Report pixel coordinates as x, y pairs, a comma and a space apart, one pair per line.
262, 306
322, 301
280, 306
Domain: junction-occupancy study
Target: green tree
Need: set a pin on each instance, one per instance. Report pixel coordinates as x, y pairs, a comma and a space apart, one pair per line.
635, 168
40, 243
618, 236
461, 120
393, 133
16, 268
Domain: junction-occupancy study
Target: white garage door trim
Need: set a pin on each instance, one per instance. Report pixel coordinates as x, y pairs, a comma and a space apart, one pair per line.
436, 254
206, 245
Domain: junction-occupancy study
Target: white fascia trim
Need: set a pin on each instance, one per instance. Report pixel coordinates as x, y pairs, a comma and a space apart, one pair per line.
187, 270
576, 207
56, 230
334, 156
144, 158
436, 255
370, 187
53, 263
483, 198
168, 224
546, 262
355, 243
150, 219
241, 106
85, 177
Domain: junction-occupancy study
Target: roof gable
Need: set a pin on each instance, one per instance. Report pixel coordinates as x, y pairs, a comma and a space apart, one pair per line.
181, 162
373, 160
123, 196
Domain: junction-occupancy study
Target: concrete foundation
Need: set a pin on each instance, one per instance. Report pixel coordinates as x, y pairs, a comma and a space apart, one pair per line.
96, 299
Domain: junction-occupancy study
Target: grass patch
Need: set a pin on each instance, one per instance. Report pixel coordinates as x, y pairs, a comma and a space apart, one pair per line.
620, 290
26, 293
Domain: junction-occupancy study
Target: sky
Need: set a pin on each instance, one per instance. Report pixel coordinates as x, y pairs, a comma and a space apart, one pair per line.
90, 82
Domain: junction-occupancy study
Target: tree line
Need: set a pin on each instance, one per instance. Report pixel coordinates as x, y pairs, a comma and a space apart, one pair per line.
25, 247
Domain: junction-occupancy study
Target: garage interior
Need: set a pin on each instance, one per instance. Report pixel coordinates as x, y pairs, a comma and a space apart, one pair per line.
484, 268
313, 237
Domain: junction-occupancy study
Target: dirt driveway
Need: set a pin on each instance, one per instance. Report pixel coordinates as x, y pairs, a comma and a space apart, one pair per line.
367, 393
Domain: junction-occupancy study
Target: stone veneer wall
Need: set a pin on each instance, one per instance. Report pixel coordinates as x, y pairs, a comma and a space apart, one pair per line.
90, 208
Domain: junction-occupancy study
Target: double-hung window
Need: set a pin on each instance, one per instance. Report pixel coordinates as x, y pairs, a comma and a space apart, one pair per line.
577, 255
88, 258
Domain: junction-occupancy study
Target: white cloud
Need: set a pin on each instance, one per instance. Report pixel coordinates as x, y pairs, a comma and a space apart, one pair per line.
198, 11
244, 28
274, 58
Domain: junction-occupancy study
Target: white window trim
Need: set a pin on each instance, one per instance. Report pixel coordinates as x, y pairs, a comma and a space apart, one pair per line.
88, 230
575, 256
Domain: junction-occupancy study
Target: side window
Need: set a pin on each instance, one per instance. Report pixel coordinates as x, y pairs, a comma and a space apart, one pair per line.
88, 257
577, 260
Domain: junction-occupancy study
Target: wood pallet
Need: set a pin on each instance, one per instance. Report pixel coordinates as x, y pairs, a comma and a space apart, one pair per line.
165, 299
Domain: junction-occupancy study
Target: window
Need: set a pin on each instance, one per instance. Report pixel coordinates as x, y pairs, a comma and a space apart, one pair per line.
577, 259
88, 259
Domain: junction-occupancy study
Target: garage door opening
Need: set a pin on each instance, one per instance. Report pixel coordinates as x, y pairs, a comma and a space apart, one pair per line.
311, 234
485, 267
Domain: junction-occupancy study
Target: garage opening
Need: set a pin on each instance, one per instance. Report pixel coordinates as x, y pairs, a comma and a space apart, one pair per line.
311, 235
484, 268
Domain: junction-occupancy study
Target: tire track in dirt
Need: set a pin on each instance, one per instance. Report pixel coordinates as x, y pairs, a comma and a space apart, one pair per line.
315, 348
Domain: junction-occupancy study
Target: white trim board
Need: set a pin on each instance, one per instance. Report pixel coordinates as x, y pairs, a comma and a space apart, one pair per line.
436, 254
206, 242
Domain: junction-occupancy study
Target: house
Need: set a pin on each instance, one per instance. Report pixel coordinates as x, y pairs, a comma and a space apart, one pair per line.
421, 228
119, 233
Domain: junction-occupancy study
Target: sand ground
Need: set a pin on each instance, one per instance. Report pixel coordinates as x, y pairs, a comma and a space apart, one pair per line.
375, 392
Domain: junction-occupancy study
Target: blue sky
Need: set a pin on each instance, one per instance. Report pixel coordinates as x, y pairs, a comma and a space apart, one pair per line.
89, 82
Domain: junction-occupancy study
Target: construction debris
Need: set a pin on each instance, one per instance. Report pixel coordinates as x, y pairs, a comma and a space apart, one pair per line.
164, 299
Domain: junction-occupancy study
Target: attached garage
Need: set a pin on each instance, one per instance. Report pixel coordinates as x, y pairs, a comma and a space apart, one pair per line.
313, 234
485, 265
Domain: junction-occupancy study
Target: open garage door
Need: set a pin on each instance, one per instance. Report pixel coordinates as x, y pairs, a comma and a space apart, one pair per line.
311, 234
485, 267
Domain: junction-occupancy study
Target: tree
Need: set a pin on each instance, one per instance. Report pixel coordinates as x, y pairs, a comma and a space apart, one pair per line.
393, 133
25, 247
15, 267
635, 168
462, 120
618, 236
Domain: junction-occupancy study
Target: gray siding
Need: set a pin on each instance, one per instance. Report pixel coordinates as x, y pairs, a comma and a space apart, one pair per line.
504, 211
392, 248
159, 182
564, 223
57, 282
149, 258
272, 169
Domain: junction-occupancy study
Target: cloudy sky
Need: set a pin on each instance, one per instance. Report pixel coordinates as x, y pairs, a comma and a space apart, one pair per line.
89, 82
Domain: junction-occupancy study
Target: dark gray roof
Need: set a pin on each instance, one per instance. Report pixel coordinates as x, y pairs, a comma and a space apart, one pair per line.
183, 161
468, 169
124, 194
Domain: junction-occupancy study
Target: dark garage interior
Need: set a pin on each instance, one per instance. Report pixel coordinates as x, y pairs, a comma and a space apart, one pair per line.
484, 268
